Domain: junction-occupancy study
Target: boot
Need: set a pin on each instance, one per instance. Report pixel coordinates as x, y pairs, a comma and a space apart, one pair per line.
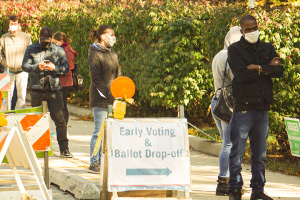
235, 194
259, 195
222, 187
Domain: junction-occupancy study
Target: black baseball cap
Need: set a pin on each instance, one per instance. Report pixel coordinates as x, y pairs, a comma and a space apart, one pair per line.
46, 34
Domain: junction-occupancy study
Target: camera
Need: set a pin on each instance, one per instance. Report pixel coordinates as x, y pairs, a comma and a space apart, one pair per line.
47, 61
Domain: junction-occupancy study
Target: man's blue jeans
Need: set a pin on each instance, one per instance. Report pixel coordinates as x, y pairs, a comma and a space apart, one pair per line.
253, 123
100, 114
224, 130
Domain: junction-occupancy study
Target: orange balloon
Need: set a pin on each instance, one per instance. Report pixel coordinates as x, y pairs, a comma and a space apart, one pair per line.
122, 87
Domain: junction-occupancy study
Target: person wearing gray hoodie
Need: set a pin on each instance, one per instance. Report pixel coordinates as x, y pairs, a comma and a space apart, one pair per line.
218, 67
104, 68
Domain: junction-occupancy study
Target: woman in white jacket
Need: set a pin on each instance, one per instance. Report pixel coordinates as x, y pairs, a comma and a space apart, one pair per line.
218, 67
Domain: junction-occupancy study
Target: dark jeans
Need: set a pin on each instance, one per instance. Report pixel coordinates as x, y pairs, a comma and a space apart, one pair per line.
56, 108
14, 99
254, 124
65, 91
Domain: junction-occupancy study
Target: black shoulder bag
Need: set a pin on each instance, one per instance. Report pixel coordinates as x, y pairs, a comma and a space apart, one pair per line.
77, 78
224, 106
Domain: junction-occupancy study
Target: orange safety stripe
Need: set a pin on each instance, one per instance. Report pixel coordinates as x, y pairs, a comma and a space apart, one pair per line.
5, 87
42, 142
29, 121
2, 143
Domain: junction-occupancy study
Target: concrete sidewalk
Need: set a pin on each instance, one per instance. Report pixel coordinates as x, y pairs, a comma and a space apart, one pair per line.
204, 164
72, 175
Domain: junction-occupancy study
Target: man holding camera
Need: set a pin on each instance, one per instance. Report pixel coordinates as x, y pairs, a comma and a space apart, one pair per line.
45, 62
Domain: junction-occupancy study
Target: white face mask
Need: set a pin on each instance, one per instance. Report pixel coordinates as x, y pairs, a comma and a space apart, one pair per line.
252, 37
111, 41
13, 28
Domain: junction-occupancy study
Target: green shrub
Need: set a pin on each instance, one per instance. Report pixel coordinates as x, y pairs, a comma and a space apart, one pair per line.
280, 27
166, 47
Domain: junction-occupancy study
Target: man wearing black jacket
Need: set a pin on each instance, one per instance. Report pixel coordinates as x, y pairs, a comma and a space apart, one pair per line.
253, 64
45, 62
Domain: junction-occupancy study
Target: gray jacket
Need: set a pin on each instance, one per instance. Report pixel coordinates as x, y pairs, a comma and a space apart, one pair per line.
34, 55
219, 61
104, 68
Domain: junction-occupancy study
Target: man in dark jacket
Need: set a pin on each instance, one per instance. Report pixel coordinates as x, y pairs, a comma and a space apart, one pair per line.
253, 64
45, 62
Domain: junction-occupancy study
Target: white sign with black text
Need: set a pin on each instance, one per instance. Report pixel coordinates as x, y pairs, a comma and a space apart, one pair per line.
148, 153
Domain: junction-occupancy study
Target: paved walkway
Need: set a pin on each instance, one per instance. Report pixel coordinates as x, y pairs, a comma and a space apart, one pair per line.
73, 174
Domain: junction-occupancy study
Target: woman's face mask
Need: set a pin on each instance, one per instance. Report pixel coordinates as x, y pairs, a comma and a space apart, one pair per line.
13, 28
110, 41
252, 37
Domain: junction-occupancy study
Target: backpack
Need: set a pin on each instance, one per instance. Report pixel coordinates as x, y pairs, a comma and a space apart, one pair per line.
77, 78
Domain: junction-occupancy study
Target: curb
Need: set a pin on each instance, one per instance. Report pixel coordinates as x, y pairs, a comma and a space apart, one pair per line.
79, 111
85, 189
199, 144
205, 146
78, 186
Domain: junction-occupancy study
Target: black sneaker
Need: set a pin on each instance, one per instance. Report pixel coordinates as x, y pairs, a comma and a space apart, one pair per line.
259, 196
235, 194
66, 154
95, 168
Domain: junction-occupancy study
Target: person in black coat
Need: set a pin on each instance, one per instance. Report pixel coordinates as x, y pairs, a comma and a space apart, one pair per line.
253, 64
104, 68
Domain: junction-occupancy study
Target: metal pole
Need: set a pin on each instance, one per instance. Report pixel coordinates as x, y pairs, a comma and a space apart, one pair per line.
181, 111
46, 155
180, 115
110, 111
